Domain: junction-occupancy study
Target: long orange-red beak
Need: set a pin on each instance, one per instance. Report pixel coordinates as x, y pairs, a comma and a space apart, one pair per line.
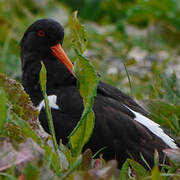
58, 51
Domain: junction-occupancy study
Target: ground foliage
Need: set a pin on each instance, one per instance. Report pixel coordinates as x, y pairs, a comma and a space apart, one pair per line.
140, 35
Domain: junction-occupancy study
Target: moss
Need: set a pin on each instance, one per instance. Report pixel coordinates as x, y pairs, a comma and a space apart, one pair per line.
20, 101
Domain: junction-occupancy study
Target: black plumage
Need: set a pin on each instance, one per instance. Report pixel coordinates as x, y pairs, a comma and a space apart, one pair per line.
116, 126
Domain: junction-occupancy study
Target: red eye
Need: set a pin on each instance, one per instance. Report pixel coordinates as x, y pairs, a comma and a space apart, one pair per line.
41, 33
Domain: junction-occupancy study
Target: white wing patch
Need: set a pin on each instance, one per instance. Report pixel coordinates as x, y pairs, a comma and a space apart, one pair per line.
154, 128
52, 103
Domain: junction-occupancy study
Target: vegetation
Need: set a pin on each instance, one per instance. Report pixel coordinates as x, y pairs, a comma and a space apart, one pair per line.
132, 43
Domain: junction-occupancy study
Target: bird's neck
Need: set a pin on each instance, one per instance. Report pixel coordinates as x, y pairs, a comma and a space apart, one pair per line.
57, 76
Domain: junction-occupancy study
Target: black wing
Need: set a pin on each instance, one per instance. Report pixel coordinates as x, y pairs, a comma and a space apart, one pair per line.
122, 134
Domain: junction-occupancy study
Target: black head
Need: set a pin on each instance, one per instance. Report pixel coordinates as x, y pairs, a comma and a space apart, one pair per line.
41, 35
43, 39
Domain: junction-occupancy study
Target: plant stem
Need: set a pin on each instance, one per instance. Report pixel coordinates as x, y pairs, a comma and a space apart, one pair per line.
43, 80
131, 92
50, 121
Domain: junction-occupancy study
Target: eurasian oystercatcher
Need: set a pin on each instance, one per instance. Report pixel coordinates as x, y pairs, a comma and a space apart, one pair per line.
121, 125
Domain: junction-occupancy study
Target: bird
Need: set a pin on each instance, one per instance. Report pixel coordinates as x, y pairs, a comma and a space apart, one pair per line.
123, 129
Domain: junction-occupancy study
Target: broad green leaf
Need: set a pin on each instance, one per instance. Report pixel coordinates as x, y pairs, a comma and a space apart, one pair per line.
140, 171
82, 132
87, 84
80, 39
3, 109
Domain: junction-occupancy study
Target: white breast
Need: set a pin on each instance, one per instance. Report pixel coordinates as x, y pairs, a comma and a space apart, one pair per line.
52, 103
154, 128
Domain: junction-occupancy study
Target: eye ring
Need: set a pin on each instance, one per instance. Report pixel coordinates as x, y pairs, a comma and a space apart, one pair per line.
41, 33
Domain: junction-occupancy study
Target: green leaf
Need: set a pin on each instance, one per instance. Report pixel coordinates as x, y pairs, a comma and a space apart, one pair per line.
80, 39
124, 171
87, 84
140, 171
3, 110
43, 74
156, 174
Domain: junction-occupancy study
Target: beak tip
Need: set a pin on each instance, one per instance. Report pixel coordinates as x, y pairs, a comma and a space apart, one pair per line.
58, 51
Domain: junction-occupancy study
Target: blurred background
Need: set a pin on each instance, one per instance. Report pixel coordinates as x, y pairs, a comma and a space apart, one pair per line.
141, 35
133, 44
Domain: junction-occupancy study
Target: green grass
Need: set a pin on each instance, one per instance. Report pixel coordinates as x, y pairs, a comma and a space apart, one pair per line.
111, 42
